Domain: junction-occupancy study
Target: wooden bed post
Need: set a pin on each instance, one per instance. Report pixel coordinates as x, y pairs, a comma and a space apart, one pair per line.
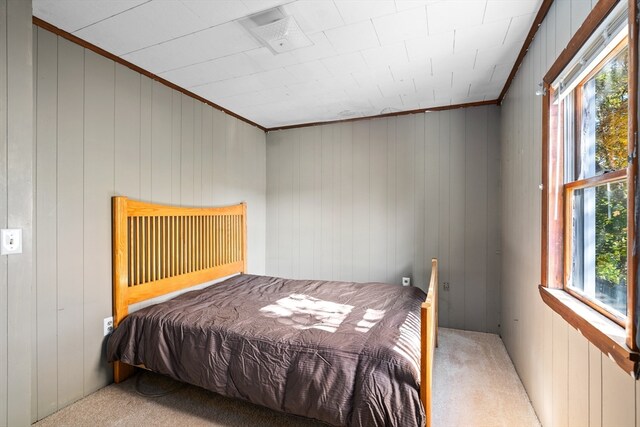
434, 266
244, 237
428, 341
121, 371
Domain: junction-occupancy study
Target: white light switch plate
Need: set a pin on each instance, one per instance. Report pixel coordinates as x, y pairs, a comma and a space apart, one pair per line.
10, 241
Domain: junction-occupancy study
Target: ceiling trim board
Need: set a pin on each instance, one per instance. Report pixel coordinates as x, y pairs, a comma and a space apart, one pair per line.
77, 40
381, 116
542, 13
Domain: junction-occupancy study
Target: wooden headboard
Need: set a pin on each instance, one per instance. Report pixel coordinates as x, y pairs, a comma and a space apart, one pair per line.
159, 249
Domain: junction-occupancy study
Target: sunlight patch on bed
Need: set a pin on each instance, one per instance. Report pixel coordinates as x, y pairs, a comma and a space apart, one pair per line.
408, 344
305, 312
369, 320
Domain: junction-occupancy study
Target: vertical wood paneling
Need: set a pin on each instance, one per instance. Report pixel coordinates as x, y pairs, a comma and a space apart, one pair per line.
272, 245
550, 51
197, 153
579, 11
547, 363
207, 157
316, 138
17, 169
361, 200
294, 225
443, 136
595, 386
160, 143
424, 221
285, 213
233, 158
334, 240
493, 280
428, 171
306, 206
578, 381
560, 368
258, 205
637, 403
378, 199
475, 222
146, 88
127, 131
527, 161
563, 25
46, 269
186, 154
4, 291
176, 147
34, 283
102, 130
70, 221
537, 374
345, 202
98, 188
374, 199
219, 163
404, 207
391, 202
327, 196
457, 228
618, 396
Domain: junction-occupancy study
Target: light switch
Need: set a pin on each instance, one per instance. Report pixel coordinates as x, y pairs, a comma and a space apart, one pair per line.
11, 241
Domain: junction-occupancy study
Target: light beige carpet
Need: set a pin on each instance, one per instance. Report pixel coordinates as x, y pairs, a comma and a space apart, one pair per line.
475, 385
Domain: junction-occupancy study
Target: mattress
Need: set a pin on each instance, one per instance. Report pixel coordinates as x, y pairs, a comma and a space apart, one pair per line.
343, 353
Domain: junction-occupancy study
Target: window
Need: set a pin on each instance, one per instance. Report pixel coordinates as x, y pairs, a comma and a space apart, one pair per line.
589, 112
595, 131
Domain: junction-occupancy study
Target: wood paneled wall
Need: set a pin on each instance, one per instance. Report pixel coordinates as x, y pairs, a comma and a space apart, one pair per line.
16, 210
569, 381
104, 130
375, 200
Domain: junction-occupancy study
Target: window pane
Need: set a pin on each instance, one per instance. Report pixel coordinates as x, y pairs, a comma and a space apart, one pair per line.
604, 125
599, 245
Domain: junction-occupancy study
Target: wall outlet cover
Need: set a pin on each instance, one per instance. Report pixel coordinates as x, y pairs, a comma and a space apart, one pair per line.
108, 325
406, 281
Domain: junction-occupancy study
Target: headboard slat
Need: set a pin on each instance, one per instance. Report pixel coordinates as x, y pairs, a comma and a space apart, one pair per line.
160, 249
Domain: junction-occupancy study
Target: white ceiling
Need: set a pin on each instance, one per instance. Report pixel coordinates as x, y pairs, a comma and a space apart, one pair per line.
369, 57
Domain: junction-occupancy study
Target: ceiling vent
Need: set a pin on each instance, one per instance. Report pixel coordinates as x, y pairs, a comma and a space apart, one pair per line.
276, 31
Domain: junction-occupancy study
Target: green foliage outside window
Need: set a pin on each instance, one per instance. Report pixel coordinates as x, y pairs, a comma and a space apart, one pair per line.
611, 154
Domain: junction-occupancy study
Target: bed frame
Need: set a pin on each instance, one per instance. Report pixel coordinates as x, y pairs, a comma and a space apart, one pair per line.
159, 249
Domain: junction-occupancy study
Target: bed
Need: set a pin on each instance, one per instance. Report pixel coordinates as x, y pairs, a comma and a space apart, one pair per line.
343, 353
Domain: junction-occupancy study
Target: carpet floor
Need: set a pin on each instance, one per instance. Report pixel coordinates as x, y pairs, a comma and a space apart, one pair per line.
475, 384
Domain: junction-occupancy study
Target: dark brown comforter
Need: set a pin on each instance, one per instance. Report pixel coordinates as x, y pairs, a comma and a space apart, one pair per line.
343, 353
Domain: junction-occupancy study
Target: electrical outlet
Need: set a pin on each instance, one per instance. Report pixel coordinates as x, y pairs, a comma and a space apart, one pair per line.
108, 325
406, 281
445, 286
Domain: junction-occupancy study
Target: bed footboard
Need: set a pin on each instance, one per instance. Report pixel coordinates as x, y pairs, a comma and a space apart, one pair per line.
428, 340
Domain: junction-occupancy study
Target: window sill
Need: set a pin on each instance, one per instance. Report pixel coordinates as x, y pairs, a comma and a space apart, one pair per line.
608, 336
